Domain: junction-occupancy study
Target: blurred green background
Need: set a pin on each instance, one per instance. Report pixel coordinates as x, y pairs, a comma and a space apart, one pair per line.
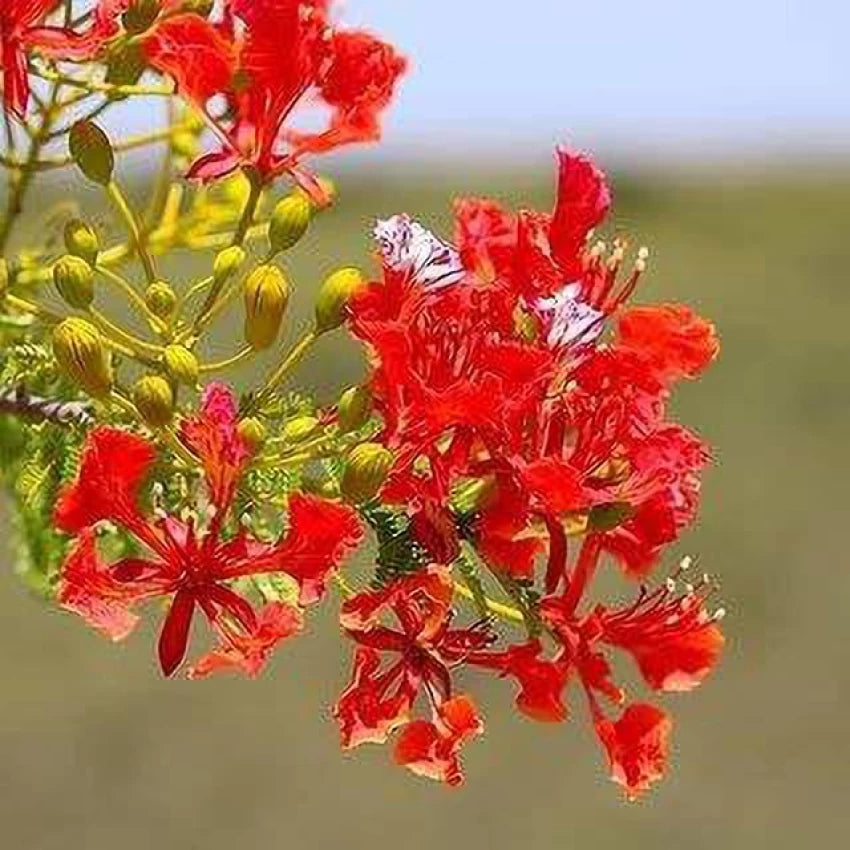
97, 752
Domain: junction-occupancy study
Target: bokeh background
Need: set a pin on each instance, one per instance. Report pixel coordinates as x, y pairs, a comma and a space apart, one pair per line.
727, 128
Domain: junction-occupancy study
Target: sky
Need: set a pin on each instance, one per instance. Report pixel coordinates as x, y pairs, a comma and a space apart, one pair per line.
641, 78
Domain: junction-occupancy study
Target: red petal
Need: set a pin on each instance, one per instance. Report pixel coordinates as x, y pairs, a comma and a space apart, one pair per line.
113, 467
174, 638
637, 746
248, 653
193, 52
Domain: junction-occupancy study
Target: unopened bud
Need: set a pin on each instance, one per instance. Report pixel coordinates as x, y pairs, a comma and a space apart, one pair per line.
74, 280
91, 150
253, 433
140, 15
81, 241
366, 469
300, 428
266, 298
160, 299
227, 263
82, 356
334, 296
289, 222
474, 494
181, 365
154, 398
354, 408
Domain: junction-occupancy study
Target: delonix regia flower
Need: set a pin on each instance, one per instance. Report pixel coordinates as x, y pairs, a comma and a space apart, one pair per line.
511, 439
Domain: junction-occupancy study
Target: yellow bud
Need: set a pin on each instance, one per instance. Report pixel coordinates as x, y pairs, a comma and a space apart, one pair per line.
74, 280
154, 398
160, 299
253, 432
354, 408
82, 357
289, 222
92, 151
266, 298
81, 241
366, 469
227, 263
181, 365
334, 295
300, 428
140, 15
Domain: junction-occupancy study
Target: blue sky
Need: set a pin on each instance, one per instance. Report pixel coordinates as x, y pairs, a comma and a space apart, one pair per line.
643, 78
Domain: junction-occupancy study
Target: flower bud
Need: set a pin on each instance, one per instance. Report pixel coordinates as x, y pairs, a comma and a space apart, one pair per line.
354, 408
300, 428
154, 398
160, 299
227, 263
81, 241
82, 357
181, 365
140, 15
334, 295
473, 494
74, 279
91, 150
289, 222
266, 298
366, 469
253, 433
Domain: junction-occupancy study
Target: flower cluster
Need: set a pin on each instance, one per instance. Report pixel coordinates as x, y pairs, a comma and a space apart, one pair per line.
511, 440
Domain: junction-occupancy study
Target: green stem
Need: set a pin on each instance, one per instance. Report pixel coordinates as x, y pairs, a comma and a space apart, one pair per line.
133, 226
289, 363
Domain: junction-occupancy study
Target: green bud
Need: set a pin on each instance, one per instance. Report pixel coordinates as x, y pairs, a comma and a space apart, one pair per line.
125, 63
92, 151
160, 299
140, 15
266, 298
74, 280
366, 469
473, 494
81, 241
253, 433
289, 222
181, 365
334, 295
227, 263
154, 398
82, 356
354, 408
300, 428
610, 516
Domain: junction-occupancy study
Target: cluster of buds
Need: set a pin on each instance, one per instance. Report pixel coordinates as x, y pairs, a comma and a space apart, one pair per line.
510, 440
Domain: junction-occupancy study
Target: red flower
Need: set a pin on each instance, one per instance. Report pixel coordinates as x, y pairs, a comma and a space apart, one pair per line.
381, 699
17, 19
194, 568
288, 53
675, 644
432, 749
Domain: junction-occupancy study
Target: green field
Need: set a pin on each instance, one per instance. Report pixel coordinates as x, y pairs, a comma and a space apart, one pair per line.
97, 752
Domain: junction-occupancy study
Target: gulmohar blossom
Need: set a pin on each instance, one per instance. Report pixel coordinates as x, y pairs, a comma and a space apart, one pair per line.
511, 440
197, 569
